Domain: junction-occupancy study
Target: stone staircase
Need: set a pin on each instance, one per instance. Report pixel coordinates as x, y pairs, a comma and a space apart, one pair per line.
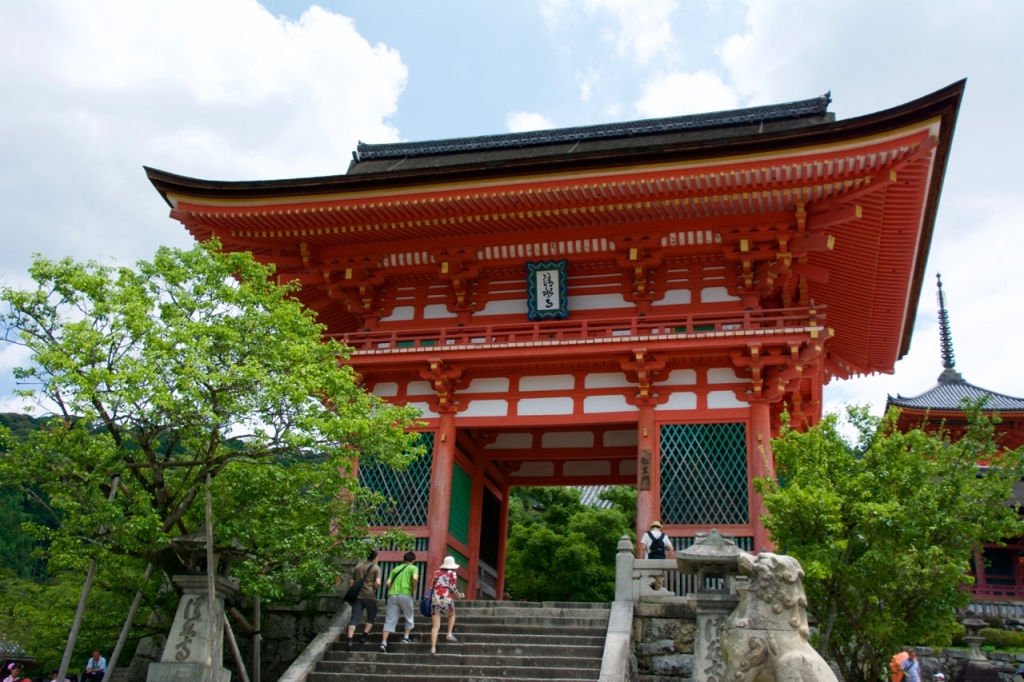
523, 641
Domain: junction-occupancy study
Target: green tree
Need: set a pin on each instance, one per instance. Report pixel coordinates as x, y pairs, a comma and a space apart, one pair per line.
193, 365
885, 528
559, 549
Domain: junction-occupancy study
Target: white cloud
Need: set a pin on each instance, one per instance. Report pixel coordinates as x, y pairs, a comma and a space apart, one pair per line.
95, 89
13, 355
977, 243
523, 121
642, 26
676, 93
587, 80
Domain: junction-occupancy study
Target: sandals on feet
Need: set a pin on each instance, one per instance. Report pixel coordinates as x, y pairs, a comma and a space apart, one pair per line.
451, 638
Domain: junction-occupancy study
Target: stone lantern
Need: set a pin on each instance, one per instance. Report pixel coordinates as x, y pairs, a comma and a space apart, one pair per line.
714, 561
189, 653
973, 637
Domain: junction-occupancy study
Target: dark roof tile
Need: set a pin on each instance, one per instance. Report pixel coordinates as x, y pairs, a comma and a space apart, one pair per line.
949, 395
817, 106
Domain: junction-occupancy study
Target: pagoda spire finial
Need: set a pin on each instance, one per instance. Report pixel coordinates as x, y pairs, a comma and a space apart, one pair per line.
949, 372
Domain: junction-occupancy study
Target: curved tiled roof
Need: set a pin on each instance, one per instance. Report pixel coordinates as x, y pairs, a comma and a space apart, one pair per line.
952, 390
950, 393
773, 112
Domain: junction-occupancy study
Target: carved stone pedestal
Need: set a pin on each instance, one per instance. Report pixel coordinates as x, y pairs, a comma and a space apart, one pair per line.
712, 611
189, 654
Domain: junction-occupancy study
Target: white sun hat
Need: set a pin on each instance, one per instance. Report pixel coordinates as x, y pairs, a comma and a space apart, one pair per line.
449, 563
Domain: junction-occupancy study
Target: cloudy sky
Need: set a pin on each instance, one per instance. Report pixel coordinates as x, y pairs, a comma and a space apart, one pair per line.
92, 90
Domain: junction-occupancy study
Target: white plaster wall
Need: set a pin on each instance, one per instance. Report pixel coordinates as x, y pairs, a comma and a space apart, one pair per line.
680, 377
674, 297
535, 469
488, 385
599, 404
723, 375
716, 295
681, 400
587, 468
425, 409
620, 439
400, 313
598, 302
567, 439
486, 408
533, 407
513, 307
553, 382
609, 380
512, 441
437, 311
627, 467
385, 390
419, 388
718, 400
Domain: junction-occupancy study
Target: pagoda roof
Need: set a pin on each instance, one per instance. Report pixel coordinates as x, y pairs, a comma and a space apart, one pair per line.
378, 158
952, 390
949, 394
872, 181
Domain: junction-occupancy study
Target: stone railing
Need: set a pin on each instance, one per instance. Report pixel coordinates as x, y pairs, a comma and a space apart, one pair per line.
651, 633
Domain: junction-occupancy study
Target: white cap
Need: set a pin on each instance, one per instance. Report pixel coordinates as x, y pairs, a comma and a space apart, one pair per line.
938, 676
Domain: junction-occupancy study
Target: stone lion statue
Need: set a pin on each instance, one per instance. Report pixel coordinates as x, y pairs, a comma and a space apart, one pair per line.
765, 637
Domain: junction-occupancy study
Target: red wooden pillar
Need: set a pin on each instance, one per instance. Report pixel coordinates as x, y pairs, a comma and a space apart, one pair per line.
760, 463
440, 502
476, 513
648, 471
499, 584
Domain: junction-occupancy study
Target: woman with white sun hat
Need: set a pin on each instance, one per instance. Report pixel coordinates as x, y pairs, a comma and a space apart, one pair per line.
442, 600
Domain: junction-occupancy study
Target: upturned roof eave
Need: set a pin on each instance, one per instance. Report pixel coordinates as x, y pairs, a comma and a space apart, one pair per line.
943, 103
926, 107
907, 402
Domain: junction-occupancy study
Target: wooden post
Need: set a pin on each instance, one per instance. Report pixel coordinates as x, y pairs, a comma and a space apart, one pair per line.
234, 648
126, 629
439, 505
476, 507
256, 639
90, 574
499, 583
761, 464
211, 588
648, 478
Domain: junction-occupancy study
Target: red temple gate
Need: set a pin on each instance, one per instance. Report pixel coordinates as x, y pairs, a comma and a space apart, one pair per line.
632, 303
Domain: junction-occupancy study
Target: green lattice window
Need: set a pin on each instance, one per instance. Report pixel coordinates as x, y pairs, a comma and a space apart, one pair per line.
704, 473
458, 511
408, 491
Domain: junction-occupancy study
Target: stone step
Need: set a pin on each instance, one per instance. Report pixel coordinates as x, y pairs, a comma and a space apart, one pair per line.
522, 641
546, 611
509, 647
492, 622
491, 638
445, 666
592, 630
454, 654
418, 677
582, 605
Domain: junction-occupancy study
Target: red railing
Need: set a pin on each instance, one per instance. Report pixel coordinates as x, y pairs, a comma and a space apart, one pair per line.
989, 591
575, 330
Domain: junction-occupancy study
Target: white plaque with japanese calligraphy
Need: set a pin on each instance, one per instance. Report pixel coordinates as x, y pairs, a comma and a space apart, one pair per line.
545, 287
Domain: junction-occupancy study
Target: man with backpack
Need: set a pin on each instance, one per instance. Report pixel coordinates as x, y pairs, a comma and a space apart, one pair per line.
401, 587
656, 545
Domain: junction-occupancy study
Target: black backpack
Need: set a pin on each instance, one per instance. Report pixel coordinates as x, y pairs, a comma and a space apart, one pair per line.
657, 548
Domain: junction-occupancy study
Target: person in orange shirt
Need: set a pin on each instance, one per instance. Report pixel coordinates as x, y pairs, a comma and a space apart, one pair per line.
896, 666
